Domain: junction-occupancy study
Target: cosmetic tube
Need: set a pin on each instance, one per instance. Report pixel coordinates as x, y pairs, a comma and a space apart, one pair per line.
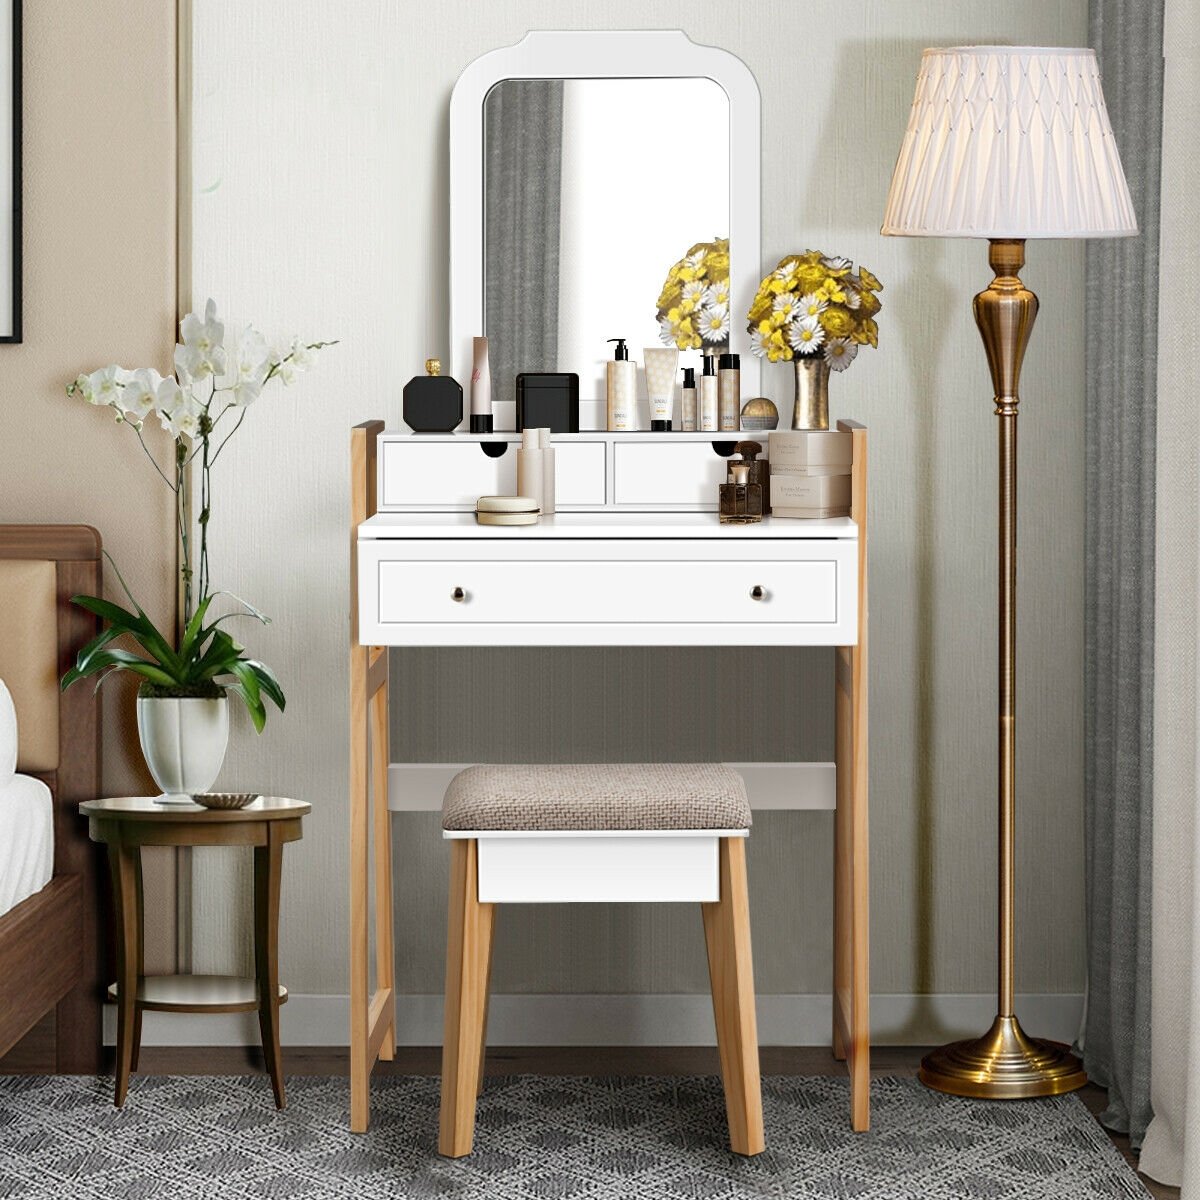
708, 396
661, 365
729, 392
688, 401
481, 388
531, 478
546, 450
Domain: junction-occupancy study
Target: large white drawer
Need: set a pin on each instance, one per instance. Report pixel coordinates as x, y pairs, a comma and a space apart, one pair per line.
415, 474
603, 593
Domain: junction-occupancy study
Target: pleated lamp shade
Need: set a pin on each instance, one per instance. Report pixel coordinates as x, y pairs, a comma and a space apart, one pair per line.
1009, 142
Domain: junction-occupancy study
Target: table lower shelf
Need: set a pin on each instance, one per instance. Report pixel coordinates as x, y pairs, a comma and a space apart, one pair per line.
196, 993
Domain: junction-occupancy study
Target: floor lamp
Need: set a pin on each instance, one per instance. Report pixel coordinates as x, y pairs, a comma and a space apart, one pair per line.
1007, 143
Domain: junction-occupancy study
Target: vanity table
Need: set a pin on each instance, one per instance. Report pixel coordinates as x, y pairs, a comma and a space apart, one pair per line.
557, 245
587, 579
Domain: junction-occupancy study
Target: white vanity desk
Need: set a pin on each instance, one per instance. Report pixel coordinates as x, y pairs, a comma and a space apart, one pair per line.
587, 579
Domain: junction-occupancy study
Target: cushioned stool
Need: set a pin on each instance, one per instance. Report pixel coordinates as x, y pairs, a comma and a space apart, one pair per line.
618, 832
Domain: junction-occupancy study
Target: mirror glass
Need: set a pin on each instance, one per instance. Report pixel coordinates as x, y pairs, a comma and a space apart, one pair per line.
593, 190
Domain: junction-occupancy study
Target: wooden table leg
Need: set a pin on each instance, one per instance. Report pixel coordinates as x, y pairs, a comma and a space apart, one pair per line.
125, 864
141, 954
268, 869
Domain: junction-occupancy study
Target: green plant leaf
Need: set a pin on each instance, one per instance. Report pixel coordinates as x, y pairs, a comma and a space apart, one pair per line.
267, 682
126, 660
139, 626
254, 705
192, 634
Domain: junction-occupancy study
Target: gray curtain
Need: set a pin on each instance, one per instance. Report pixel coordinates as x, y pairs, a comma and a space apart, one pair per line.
522, 149
1122, 348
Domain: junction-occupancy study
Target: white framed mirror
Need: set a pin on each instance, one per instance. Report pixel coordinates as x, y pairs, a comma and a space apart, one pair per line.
583, 165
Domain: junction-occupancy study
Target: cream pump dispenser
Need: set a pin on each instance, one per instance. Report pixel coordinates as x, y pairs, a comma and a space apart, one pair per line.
689, 400
708, 396
622, 387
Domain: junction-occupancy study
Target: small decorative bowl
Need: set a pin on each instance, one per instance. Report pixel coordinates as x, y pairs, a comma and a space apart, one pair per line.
224, 800
759, 414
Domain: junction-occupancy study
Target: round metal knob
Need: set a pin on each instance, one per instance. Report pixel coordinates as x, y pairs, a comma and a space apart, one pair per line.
756, 592
458, 595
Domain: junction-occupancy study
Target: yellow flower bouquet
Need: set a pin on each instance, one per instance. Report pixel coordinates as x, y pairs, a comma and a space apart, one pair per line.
693, 306
811, 305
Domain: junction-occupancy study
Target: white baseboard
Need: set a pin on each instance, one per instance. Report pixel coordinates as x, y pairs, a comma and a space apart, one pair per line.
419, 787
659, 1020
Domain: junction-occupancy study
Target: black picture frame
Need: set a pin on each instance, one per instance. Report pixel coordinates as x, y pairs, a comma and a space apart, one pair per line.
13, 334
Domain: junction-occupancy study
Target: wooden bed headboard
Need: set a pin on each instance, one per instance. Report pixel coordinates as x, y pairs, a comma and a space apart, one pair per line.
41, 568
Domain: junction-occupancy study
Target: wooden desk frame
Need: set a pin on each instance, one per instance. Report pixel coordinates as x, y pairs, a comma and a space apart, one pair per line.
373, 1015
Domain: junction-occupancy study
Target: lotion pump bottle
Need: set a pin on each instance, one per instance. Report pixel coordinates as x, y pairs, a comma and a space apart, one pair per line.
690, 424
622, 387
708, 396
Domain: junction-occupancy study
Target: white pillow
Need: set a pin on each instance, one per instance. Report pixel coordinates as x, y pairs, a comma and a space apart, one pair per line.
8, 735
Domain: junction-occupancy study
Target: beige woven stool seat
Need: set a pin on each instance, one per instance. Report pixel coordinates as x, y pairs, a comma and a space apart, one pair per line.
600, 832
583, 796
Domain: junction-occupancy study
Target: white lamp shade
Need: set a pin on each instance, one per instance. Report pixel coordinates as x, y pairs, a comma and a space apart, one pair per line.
1009, 142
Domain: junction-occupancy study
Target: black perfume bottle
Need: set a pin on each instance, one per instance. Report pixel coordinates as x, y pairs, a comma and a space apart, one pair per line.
433, 402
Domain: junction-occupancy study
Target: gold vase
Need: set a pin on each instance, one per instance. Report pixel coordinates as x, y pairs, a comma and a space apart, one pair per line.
811, 409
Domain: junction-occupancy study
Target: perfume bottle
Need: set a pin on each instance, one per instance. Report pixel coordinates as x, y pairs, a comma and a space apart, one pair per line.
433, 402
741, 500
760, 470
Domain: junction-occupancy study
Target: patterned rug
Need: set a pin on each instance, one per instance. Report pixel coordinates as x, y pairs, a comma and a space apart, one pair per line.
541, 1138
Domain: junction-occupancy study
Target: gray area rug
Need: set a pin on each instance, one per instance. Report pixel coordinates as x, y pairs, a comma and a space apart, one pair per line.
541, 1138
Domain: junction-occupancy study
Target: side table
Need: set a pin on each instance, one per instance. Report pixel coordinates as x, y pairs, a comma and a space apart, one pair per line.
126, 824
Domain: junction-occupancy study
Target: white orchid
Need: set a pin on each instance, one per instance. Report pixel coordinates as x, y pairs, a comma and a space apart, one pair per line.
249, 369
178, 409
138, 395
203, 350
106, 384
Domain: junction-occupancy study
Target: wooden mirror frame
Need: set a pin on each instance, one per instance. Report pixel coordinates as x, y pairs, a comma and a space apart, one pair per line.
600, 54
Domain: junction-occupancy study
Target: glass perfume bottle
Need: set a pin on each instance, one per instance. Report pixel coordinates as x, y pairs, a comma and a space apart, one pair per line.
741, 500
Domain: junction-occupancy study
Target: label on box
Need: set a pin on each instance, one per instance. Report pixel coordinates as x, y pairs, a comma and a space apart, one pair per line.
793, 490
809, 448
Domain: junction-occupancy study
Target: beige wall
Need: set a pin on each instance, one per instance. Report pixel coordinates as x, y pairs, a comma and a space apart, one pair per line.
320, 205
99, 286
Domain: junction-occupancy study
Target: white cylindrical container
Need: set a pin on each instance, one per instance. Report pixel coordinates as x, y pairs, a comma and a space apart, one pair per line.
530, 472
707, 398
183, 741
621, 388
547, 452
481, 388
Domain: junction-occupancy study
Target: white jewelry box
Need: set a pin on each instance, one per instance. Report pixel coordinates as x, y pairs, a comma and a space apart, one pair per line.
824, 495
809, 451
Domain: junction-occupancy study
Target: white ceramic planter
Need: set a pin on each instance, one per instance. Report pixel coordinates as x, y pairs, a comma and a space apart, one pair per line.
183, 741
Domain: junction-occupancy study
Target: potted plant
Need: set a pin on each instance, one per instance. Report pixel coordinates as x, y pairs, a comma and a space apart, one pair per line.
183, 722
815, 312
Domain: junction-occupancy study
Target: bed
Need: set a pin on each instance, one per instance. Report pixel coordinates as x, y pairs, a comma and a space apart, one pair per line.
51, 904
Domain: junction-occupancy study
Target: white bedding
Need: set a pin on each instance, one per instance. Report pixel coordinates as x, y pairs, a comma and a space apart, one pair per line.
26, 839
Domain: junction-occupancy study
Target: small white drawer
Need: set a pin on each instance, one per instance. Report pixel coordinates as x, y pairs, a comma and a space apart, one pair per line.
430, 475
665, 474
586, 867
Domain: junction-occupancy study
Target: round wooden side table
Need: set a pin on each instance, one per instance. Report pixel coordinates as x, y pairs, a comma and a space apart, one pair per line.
126, 824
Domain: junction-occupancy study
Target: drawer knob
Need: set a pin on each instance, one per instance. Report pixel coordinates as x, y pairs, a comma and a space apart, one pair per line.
458, 595
757, 593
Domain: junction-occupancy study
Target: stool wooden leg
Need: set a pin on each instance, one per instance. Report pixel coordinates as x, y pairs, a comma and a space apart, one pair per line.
731, 972
268, 871
124, 863
487, 994
467, 954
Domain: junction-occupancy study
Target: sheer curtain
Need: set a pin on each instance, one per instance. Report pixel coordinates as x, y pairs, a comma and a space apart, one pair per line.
1171, 1152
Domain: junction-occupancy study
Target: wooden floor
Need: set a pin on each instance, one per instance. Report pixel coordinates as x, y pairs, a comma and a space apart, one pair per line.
569, 1060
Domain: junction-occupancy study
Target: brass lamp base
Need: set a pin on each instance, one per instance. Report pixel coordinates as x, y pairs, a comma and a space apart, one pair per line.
1004, 1064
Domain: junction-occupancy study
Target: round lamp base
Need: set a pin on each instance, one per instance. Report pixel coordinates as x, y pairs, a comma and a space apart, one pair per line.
1004, 1064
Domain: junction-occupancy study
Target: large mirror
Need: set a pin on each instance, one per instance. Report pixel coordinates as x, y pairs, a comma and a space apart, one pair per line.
584, 165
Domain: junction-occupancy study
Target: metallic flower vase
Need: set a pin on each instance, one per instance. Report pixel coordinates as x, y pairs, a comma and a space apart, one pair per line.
811, 409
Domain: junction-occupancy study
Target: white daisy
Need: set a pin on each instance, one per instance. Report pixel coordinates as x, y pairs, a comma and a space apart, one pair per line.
853, 299
839, 353
714, 323
717, 293
806, 335
694, 260
694, 291
836, 262
756, 345
666, 332
785, 268
789, 304
812, 305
